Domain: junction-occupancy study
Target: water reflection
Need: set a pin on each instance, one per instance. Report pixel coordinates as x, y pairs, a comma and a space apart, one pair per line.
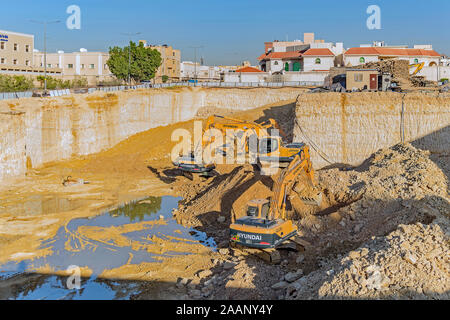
138, 210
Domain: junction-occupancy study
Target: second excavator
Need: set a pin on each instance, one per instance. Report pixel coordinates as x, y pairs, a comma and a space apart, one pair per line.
270, 148
265, 226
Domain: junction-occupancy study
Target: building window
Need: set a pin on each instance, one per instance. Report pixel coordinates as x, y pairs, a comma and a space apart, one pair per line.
16, 46
2, 60
15, 61
318, 61
82, 66
358, 77
362, 60
70, 66
275, 63
91, 66
2, 45
27, 63
49, 65
106, 66
27, 48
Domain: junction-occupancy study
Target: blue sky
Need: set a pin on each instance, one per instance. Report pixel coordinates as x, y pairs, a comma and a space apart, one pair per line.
230, 30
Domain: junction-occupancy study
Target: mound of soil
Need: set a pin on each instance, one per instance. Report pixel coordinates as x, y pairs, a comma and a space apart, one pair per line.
382, 230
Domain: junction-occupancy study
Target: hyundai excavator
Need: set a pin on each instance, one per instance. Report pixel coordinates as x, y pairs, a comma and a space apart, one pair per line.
265, 227
270, 148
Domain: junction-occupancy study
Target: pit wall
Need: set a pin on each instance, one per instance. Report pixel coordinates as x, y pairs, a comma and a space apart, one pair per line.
36, 131
348, 127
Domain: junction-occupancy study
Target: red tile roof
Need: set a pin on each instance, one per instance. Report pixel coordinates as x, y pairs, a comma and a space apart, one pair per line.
280, 55
320, 52
376, 51
248, 69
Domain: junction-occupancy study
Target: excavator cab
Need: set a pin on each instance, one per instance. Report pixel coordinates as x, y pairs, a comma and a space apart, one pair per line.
258, 208
272, 149
257, 230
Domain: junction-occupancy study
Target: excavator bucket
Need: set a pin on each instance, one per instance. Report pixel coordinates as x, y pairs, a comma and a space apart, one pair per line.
307, 193
315, 200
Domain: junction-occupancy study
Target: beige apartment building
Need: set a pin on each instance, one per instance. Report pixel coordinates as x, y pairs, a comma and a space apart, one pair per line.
16, 49
16, 55
82, 64
170, 64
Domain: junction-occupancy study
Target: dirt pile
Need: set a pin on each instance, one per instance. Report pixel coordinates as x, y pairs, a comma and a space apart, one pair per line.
398, 68
409, 263
398, 192
208, 205
420, 81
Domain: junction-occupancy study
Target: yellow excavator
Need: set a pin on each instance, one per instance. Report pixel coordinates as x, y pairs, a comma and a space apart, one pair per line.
418, 66
270, 148
265, 227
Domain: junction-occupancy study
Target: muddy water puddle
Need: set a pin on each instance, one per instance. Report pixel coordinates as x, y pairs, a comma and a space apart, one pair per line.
142, 231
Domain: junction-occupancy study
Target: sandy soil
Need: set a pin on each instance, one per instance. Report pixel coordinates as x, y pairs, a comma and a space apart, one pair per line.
398, 193
134, 168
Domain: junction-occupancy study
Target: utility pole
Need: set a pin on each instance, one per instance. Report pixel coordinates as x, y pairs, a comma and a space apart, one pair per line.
45, 23
195, 62
129, 54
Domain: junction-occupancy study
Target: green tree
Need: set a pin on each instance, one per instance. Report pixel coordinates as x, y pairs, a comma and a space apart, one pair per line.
164, 78
15, 83
144, 62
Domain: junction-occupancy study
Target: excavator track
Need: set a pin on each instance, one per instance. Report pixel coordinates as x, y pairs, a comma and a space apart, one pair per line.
269, 255
272, 255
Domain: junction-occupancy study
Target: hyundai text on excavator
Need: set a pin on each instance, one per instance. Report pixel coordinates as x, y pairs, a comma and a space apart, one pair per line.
265, 227
271, 148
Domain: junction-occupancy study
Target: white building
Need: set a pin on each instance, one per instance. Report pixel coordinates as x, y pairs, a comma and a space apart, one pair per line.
300, 56
445, 61
191, 70
246, 74
273, 62
318, 60
337, 49
358, 56
90, 65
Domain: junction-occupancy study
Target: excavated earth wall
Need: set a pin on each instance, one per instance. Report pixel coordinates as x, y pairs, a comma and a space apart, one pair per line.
348, 127
36, 131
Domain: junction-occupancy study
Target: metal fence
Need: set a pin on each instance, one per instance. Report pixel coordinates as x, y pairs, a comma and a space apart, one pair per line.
15, 95
240, 84
58, 93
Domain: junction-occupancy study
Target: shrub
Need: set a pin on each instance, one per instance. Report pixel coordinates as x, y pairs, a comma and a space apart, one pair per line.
15, 83
53, 83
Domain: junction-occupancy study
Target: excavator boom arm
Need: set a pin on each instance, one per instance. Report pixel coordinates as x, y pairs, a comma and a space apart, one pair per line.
300, 164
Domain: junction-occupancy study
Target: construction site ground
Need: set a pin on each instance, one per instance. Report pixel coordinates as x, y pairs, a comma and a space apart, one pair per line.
382, 230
